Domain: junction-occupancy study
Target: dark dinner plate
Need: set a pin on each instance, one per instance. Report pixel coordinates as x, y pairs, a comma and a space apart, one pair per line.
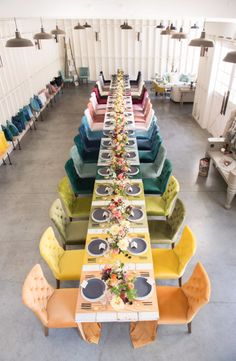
94, 290
136, 215
101, 215
133, 170
130, 155
106, 156
107, 133
95, 249
104, 171
133, 190
139, 246
104, 190
143, 288
130, 143
106, 143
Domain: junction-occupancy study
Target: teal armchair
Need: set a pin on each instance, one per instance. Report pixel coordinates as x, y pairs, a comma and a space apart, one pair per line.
158, 185
153, 170
79, 185
84, 170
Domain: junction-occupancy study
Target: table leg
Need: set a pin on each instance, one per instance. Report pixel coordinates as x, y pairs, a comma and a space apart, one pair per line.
229, 197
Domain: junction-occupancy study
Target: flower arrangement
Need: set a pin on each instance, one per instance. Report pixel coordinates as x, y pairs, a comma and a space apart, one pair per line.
119, 167
117, 237
120, 284
120, 185
119, 208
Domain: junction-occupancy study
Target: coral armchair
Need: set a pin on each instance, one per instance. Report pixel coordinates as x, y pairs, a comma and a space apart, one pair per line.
171, 263
65, 265
55, 308
176, 306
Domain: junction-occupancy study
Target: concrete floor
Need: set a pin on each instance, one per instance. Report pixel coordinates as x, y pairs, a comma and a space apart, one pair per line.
27, 189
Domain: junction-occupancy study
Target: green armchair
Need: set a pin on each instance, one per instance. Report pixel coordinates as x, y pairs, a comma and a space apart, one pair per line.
153, 170
76, 207
163, 206
84, 170
159, 184
79, 185
71, 233
165, 231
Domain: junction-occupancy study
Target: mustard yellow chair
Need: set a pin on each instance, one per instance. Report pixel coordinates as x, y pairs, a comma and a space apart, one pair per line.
76, 207
171, 263
176, 306
71, 233
55, 308
158, 88
163, 206
4, 147
65, 265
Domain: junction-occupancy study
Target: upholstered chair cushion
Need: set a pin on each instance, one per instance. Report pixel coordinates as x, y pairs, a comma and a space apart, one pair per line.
76, 207
159, 184
36, 292
172, 304
170, 194
197, 290
4, 145
13, 129
79, 185
59, 217
185, 249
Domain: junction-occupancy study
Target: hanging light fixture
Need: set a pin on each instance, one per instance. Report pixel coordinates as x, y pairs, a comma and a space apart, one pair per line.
18, 41
194, 26
42, 35
126, 26
56, 32
86, 25
180, 35
169, 30
160, 26
202, 41
230, 57
79, 27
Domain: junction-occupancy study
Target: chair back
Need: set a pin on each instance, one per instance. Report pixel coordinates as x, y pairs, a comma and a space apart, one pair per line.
84, 72
67, 195
91, 110
59, 218
4, 145
160, 159
165, 175
36, 292
78, 163
177, 217
50, 249
185, 248
197, 290
145, 98
170, 194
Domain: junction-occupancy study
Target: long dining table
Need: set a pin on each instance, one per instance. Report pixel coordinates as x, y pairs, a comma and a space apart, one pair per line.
142, 264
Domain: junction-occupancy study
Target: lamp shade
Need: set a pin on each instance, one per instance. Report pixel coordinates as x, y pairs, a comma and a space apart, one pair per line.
18, 41
230, 57
79, 27
202, 41
126, 26
160, 26
42, 35
86, 25
58, 31
194, 26
167, 31
180, 35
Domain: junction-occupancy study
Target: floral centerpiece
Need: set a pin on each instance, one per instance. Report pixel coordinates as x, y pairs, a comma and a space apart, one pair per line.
119, 167
117, 237
119, 208
120, 283
120, 185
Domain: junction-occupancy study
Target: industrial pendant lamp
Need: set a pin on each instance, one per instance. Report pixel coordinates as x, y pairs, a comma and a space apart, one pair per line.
42, 35
170, 29
202, 41
86, 25
180, 35
79, 27
194, 26
230, 57
160, 26
18, 41
126, 26
56, 32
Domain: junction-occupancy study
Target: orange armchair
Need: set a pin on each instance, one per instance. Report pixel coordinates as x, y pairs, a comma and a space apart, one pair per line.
176, 306
55, 308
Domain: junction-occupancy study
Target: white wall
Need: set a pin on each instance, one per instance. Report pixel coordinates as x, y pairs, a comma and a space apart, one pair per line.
155, 53
25, 71
116, 9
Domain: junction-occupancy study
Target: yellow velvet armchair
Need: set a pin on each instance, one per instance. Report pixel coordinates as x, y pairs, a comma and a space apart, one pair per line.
55, 308
163, 206
4, 147
171, 263
65, 265
177, 305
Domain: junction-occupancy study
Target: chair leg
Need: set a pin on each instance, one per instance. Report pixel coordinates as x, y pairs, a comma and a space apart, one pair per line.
4, 162
9, 159
172, 245
180, 282
58, 283
45, 329
19, 145
189, 327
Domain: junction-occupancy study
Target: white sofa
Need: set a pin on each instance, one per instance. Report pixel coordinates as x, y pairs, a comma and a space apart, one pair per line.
183, 94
